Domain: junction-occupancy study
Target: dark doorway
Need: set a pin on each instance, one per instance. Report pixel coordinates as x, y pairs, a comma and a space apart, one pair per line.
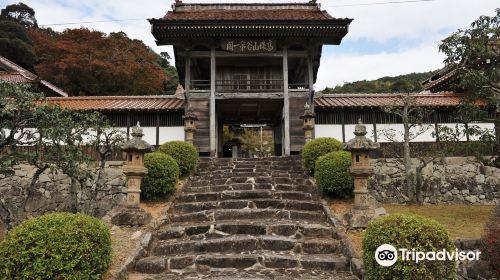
249, 128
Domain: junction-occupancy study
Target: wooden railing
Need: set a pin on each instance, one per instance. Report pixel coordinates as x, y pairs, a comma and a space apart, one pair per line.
248, 85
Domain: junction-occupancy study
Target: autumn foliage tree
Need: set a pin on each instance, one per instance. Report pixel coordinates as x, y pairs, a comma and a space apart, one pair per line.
88, 63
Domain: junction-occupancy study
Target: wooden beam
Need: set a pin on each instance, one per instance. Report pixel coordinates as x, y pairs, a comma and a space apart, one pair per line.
213, 131
286, 104
207, 54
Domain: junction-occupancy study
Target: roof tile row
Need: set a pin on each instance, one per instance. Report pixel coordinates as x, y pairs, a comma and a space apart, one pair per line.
221, 15
120, 103
442, 99
170, 103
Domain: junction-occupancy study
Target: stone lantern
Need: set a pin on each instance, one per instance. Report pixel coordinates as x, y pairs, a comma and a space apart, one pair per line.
134, 168
130, 213
308, 125
364, 208
189, 124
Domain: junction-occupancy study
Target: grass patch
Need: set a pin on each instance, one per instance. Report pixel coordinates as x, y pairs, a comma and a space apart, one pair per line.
462, 221
356, 238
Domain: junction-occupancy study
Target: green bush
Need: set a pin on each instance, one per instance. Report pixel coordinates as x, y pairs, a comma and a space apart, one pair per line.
184, 153
315, 148
332, 173
409, 232
163, 172
56, 246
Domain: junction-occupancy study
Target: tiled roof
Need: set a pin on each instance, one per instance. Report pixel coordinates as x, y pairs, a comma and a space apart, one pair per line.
441, 99
246, 11
11, 72
221, 15
440, 80
259, 20
13, 77
119, 103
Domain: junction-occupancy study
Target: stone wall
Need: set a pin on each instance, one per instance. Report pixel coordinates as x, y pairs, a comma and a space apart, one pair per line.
58, 192
454, 180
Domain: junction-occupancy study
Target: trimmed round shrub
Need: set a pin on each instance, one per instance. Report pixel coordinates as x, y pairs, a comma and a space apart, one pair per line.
332, 173
184, 153
56, 246
163, 172
315, 148
408, 232
490, 243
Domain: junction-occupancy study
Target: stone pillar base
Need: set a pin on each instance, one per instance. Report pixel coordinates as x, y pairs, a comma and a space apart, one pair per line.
127, 215
359, 218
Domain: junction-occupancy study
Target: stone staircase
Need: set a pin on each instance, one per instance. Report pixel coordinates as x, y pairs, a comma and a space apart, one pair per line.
246, 219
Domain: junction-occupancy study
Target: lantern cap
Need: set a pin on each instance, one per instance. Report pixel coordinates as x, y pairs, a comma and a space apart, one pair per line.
190, 115
360, 142
136, 143
308, 112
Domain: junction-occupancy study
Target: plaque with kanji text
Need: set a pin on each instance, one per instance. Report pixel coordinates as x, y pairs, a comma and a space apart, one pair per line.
248, 45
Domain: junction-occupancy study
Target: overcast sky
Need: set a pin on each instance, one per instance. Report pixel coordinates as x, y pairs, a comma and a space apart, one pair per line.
383, 40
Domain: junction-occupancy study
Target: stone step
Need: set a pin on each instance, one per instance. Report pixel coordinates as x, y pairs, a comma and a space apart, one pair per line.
160, 264
271, 171
244, 194
246, 219
226, 174
258, 227
248, 214
246, 274
235, 186
264, 203
242, 180
246, 243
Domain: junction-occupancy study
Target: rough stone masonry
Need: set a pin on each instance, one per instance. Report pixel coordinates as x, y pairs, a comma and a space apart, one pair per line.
54, 192
452, 180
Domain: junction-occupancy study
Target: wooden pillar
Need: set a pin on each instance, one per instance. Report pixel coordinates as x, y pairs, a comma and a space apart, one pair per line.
187, 78
128, 125
213, 132
310, 76
342, 118
374, 117
157, 129
286, 104
187, 85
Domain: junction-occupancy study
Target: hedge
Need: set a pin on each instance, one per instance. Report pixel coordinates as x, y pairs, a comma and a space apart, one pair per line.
163, 172
332, 173
408, 232
184, 153
56, 246
315, 148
